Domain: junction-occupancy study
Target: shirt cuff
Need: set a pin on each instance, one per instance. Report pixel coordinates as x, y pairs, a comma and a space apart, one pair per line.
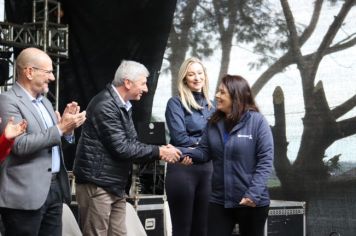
69, 138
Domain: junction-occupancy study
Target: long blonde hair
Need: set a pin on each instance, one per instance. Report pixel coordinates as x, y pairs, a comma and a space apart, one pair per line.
185, 93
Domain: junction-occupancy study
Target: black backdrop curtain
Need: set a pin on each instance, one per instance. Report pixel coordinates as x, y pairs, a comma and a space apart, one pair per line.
101, 34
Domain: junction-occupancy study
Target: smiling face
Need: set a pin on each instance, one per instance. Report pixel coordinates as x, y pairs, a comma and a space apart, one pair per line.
42, 75
223, 100
195, 77
35, 71
136, 88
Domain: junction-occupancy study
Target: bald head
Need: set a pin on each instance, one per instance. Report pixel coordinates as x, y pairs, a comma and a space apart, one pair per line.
30, 57
34, 71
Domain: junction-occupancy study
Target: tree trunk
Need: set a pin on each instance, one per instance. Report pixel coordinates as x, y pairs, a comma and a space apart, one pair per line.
176, 59
320, 131
225, 58
179, 42
281, 162
226, 34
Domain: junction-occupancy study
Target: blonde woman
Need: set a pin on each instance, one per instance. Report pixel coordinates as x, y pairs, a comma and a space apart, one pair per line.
188, 186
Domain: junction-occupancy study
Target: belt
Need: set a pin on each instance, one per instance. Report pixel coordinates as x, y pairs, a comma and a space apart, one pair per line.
54, 176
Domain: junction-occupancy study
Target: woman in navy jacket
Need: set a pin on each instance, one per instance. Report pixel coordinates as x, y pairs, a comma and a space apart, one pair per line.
239, 141
188, 186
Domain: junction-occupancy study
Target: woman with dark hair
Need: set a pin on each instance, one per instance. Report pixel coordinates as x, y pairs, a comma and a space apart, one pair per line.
188, 186
239, 141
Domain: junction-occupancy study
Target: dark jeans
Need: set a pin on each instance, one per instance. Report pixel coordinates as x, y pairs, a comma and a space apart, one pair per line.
46, 221
222, 220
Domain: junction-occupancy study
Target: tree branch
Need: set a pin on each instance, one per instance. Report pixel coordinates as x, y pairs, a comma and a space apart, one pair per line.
294, 40
338, 47
287, 60
345, 107
188, 15
346, 39
219, 18
313, 22
207, 11
178, 38
347, 127
333, 29
277, 67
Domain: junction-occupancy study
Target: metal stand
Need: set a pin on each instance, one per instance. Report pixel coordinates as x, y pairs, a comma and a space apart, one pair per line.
44, 32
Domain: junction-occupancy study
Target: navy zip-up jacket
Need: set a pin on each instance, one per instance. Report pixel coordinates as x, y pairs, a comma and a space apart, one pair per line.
242, 160
187, 128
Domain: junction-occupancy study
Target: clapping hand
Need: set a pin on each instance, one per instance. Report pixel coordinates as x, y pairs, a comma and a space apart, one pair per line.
72, 118
13, 130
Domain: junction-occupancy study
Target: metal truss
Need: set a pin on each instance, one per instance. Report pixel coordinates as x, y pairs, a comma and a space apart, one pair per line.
32, 35
44, 32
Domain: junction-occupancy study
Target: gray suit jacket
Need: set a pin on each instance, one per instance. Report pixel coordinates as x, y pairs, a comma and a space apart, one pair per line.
25, 176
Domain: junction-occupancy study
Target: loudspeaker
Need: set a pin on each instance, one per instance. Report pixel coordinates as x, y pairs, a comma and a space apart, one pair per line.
152, 133
284, 218
4, 72
150, 210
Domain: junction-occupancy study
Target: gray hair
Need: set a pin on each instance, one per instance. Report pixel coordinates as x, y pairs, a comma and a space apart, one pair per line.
130, 70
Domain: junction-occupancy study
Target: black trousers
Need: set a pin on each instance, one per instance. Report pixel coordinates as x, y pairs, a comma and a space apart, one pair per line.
46, 221
222, 220
188, 190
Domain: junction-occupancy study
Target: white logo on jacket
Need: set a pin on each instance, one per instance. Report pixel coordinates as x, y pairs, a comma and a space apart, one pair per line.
249, 136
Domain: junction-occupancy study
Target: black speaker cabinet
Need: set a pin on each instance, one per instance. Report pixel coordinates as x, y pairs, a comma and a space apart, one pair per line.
284, 218
150, 210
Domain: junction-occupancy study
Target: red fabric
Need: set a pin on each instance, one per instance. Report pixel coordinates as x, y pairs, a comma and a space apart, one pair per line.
5, 147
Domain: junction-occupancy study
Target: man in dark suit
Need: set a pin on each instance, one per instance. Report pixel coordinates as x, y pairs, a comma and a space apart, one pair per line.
33, 180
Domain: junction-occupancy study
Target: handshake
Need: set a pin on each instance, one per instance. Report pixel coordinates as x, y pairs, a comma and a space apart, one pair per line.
169, 154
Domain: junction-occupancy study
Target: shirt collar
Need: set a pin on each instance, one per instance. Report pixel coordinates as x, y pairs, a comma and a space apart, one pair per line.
127, 104
38, 99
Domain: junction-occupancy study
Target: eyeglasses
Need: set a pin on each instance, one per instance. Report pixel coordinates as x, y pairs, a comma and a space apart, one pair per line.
43, 70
